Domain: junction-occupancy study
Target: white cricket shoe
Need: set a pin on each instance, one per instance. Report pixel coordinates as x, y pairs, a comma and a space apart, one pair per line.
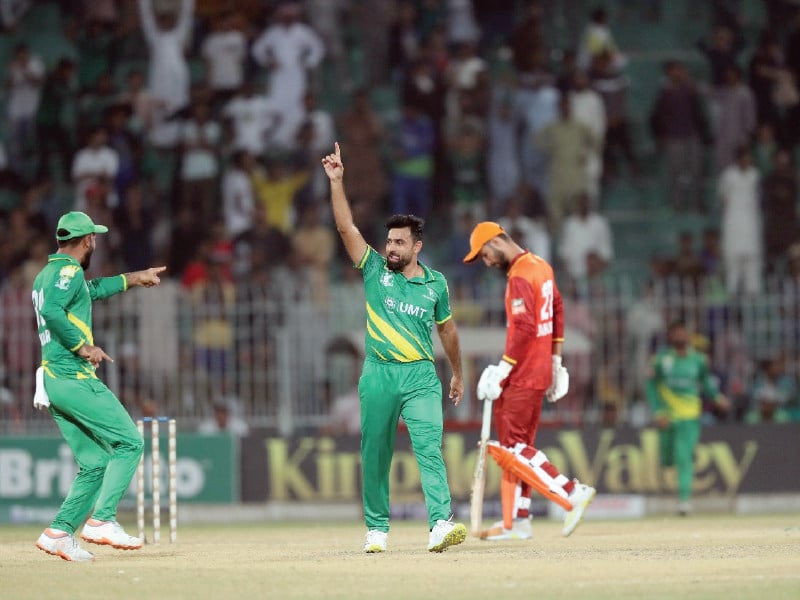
520, 530
445, 534
109, 533
60, 543
376, 541
580, 498
684, 508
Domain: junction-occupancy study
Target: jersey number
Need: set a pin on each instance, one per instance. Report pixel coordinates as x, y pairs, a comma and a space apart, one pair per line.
38, 302
547, 295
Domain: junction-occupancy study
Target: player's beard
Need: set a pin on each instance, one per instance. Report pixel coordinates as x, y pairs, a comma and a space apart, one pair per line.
86, 261
499, 260
399, 264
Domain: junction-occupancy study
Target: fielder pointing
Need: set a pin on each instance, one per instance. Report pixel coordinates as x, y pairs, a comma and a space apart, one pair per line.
529, 370
404, 300
97, 428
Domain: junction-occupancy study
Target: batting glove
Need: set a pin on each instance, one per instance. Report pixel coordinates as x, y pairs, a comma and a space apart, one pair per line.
489, 385
560, 386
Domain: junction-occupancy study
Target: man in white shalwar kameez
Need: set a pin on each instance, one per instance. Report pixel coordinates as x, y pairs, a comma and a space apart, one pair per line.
288, 48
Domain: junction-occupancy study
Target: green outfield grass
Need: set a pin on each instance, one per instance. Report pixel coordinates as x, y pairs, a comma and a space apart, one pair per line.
701, 556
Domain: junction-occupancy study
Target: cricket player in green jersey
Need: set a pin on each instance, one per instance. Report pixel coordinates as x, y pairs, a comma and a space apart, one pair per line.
678, 375
102, 436
405, 299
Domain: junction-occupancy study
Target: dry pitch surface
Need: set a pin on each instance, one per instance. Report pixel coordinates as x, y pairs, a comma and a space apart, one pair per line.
698, 557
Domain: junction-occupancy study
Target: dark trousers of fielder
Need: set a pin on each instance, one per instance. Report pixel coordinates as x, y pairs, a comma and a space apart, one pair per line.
106, 445
388, 391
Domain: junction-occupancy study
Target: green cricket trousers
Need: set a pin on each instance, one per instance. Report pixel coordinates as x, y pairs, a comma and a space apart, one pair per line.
678, 442
388, 391
106, 444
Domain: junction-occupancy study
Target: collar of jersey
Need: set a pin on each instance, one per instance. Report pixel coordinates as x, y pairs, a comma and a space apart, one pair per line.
514, 261
59, 256
427, 278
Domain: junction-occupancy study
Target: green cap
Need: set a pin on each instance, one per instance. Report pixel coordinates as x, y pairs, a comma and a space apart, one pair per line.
76, 224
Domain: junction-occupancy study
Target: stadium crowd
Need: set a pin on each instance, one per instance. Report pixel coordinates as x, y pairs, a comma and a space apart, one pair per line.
194, 130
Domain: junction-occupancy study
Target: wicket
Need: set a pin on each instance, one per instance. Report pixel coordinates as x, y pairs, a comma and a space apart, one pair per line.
155, 479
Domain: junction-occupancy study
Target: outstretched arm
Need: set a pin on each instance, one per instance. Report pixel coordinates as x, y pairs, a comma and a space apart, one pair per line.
353, 241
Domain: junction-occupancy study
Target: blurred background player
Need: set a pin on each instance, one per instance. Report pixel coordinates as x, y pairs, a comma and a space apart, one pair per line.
404, 300
529, 370
679, 374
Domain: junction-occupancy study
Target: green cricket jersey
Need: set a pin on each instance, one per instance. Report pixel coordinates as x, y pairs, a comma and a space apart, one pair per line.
62, 299
401, 312
675, 382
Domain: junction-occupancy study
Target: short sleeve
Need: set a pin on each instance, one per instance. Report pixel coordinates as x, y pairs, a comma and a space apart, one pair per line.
442, 311
370, 263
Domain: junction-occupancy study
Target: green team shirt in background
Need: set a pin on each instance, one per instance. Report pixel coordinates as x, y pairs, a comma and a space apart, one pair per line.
401, 312
62, 299
673, 388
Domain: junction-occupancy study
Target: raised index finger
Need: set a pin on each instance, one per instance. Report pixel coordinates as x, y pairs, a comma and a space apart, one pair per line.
158, 270
336, 146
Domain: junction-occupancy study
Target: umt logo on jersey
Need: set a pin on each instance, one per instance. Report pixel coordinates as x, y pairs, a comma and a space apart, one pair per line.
405, 307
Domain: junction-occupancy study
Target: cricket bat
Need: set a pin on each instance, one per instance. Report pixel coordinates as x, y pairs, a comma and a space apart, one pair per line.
479, 476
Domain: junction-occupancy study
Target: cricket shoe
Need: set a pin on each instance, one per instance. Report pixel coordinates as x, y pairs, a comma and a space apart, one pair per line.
109, 533
445, 534
60, 543
684, 508
520, 530
376, 541
580, 498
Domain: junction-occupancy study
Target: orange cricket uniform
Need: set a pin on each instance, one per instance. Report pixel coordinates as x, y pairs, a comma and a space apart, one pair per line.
535, 319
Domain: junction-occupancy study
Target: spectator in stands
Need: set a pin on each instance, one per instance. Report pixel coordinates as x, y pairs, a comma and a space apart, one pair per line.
144, 106
711, 252
56, 119
199, 170
736, 117
253, 119
742, 246
263, 241
187, 232
613, 85
412, 161
764, 148
321, 136
276, 186
502, 152
134, 219
782, 224
568, 143
597, 38
325, 17
644, 322
792, 54
587, 107
167, 33
95, 101
313, 248
535, 107
768, 74
528, 36
364, 134
96, 42
424, 89
24, 81
721, 51
467, 161
404, 39
93, 172
586, 245
773, 394
238, 199
289, 50
679, 125
224, 421
688, 266
125, 144
224, 52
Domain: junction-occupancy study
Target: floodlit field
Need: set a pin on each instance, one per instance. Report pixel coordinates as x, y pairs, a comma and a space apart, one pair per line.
698, 557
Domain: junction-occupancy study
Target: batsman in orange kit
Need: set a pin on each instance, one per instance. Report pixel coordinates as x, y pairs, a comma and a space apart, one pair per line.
529, 370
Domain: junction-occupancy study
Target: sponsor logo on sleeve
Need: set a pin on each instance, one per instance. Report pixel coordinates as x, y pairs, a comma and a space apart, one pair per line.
517, 306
